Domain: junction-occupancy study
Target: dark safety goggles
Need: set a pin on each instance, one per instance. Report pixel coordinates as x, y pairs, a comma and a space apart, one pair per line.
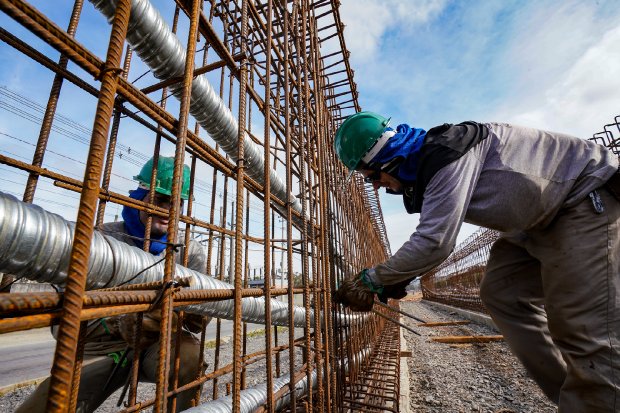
375, 175
389, 168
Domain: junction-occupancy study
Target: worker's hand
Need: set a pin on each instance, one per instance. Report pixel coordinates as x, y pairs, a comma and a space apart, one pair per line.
357, 293
395, 291
150, 329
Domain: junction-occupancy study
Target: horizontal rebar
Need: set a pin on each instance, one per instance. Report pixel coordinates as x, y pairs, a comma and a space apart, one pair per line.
36, 245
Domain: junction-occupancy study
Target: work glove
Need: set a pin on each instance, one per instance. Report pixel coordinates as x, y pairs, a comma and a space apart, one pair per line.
395, 291
150, 328
357, 293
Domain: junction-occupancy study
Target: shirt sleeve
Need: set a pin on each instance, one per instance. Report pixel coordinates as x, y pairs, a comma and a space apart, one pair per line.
446, 199
197, 259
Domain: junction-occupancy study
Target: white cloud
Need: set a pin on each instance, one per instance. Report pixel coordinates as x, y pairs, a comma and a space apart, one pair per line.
367, 21
582, 99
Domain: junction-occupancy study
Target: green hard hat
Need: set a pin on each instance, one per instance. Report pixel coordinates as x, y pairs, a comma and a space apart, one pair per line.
165, 174
357, 134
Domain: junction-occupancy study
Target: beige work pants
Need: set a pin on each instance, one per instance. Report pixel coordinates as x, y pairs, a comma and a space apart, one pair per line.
554, 294
92, 392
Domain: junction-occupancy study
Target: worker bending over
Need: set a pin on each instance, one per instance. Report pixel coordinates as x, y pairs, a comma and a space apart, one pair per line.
114, 336
552, 282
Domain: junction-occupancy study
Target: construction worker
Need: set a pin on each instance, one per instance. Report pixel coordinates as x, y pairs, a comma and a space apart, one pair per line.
113, 337
552, 282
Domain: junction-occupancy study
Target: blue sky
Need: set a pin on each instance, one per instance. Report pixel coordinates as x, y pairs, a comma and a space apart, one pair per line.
547, 64
550, 64
24, 90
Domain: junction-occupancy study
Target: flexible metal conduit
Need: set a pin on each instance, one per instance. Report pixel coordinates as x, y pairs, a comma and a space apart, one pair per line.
256, 396
161, 50
36, 244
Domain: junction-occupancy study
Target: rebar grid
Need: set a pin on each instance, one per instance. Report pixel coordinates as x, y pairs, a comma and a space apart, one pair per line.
375, 385
456, 281
280, 70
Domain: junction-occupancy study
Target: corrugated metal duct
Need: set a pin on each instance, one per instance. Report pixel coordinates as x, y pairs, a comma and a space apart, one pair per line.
36, 245
256, 396
163, 53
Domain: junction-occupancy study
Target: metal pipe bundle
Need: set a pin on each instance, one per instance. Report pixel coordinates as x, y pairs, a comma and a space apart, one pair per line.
163, 53
36, 244
256, 396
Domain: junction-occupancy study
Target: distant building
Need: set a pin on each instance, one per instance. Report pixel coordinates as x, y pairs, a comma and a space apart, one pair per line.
260, 283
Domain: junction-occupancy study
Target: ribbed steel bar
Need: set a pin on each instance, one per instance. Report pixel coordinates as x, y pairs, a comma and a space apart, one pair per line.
59, 396
241, 165
164, 54
184, 93
302, 125
324, 296
116, 121
50, 110
37, 246
286, 16
340, 230
102, 306
267, 231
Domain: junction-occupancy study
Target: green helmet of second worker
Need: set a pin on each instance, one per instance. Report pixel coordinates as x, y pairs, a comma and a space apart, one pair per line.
358, 135
135, 220
165, 175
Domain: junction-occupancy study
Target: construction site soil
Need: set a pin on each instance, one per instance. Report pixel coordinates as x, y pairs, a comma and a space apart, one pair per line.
443, 378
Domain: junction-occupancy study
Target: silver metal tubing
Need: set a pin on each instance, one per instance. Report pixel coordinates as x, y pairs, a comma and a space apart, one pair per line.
161, 50
36, 245
256, 396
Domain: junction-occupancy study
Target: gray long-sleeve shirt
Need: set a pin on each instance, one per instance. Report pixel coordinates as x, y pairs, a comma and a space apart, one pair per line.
515, 180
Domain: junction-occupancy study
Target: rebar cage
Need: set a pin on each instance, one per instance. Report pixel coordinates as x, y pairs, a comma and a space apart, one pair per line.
248, 94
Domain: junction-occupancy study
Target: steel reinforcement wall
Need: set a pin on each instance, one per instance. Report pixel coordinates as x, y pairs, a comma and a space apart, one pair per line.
248, 94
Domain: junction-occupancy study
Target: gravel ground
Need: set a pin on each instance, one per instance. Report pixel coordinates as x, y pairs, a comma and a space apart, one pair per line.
484, 377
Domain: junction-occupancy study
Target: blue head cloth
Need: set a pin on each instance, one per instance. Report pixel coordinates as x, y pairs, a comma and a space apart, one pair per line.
405, 144
136, 228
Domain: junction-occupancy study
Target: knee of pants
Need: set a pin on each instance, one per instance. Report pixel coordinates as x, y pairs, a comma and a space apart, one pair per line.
189, 366
487, 293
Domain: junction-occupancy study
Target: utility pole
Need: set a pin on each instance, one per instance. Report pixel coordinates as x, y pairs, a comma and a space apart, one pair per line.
282, 255
218, 270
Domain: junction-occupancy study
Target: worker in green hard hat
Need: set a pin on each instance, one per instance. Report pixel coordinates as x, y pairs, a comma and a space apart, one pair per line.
113, 337
134, 221
552, 280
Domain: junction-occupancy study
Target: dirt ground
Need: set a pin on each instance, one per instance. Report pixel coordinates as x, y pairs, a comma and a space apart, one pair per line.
480, 377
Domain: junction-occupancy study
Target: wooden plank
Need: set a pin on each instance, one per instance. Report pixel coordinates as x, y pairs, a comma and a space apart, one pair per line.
444, 323
467, 339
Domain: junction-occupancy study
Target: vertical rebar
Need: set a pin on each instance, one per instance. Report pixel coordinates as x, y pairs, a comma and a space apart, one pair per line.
68, 330
267, 227
107, 171
175, 202
243, 74
50, 110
